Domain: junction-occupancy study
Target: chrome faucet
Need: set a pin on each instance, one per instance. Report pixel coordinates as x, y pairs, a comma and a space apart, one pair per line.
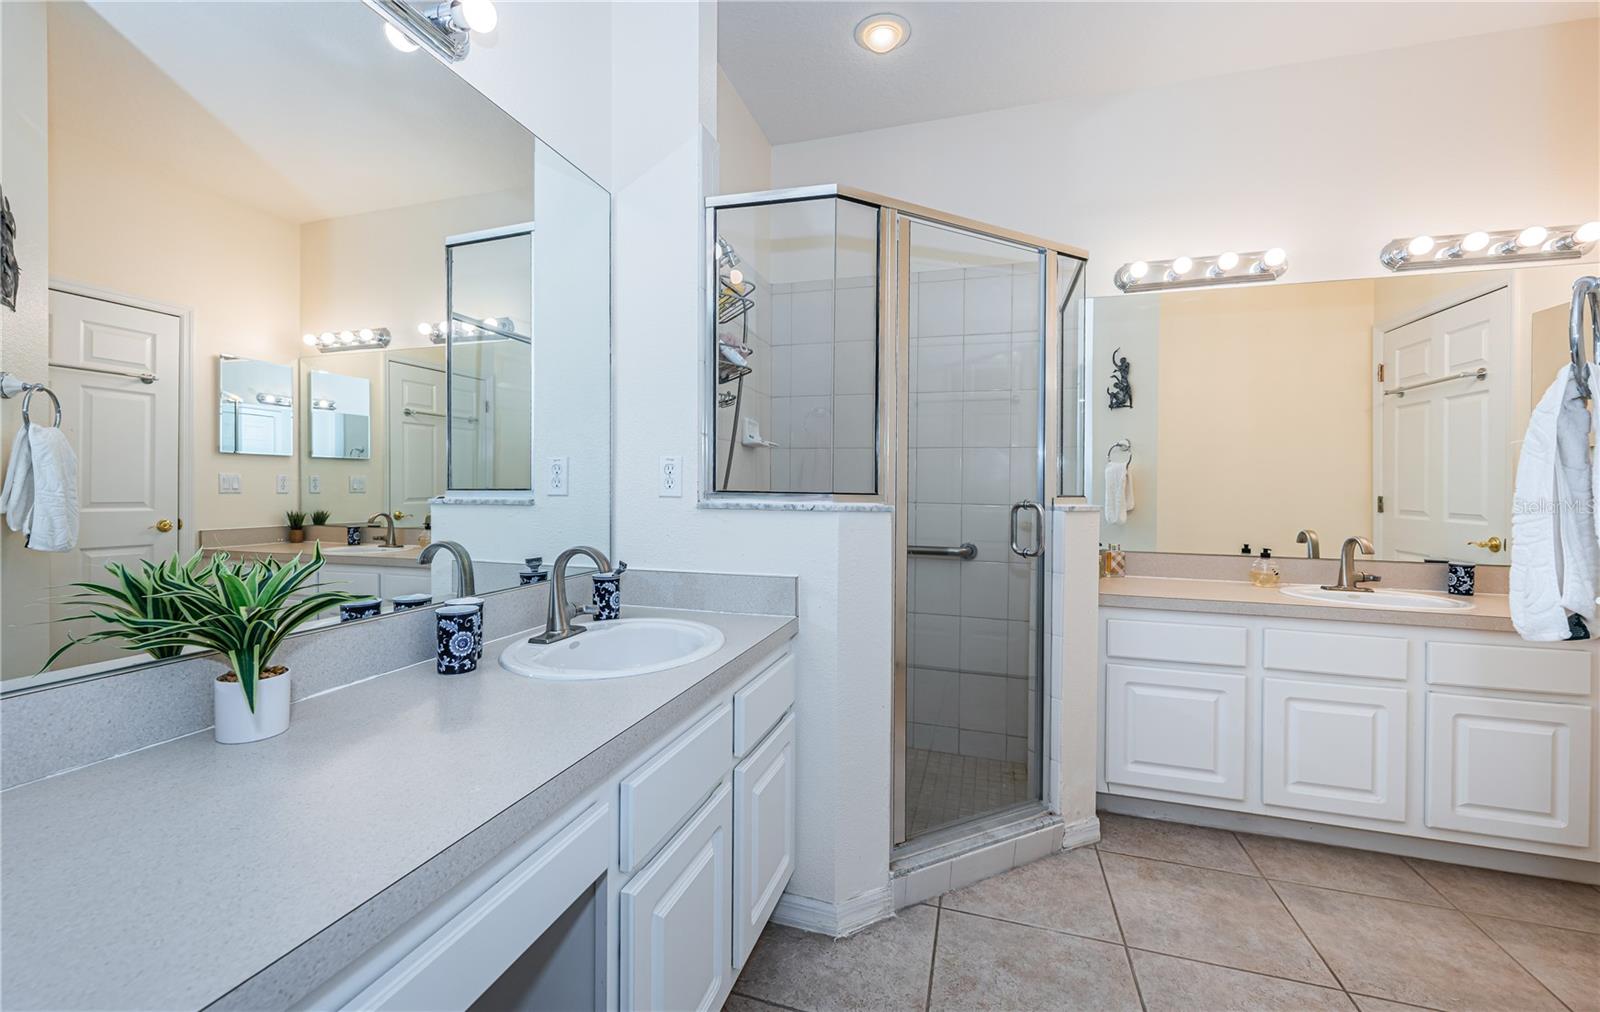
388, 520
558, 617
1349, 579
464, 583
1308, 537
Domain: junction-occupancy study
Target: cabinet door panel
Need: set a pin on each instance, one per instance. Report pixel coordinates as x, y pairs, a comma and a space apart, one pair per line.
1334, 748
1506, 767
1175, 730
676, 935
763, 840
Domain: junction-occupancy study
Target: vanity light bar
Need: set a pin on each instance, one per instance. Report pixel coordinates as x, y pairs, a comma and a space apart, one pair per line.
349, 340
1536, 242
321, 404
1195, 272
275, 399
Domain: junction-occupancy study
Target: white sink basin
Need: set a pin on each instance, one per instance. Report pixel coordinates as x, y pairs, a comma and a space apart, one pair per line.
359, 550
615, 649
1393, 600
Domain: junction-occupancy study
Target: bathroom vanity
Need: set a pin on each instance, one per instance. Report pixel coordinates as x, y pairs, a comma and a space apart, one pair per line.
417, 841
1441, 726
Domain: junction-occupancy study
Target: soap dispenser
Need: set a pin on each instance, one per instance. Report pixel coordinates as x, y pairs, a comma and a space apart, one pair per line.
1264, 571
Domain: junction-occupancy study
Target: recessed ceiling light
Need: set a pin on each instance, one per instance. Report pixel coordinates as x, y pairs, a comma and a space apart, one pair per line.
882, 33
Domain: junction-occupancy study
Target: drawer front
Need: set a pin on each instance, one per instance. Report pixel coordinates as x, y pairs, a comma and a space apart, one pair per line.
1181, 642
1334, 748
1176, 730
362, 580
1319, 653
763, 835
1509, 767
1513, 668
761, 703
660, 794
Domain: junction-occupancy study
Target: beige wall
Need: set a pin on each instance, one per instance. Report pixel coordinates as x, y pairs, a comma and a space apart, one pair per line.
744, 155
1266, 422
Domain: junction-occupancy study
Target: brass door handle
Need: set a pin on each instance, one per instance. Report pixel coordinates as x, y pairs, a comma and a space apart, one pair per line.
398, 515
164, 526
1493, 544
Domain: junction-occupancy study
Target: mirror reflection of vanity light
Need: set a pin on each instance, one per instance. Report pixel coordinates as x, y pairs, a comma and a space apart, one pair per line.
1531, 244
349, 340
1223, 269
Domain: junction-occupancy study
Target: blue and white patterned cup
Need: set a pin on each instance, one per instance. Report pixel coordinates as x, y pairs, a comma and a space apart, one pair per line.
471, 602
405, 602
1460, 578
352, 534
607, 596
460, 628
366, 608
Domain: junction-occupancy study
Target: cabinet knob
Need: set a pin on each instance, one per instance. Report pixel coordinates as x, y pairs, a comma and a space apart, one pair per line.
1492, 544
164, 525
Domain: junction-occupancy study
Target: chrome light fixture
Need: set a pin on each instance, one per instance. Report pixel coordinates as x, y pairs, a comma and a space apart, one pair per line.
349, 340
443, 27
1526, 245
1228, 268
321, 404
276, 400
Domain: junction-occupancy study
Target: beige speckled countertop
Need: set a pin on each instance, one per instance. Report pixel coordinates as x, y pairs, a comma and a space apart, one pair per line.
334, 554
1491, 612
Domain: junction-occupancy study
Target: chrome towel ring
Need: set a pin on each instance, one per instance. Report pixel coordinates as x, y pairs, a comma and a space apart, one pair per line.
1121, 444
28, 396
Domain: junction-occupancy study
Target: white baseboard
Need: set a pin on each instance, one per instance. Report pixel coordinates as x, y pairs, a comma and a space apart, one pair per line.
834, 919
1081, 833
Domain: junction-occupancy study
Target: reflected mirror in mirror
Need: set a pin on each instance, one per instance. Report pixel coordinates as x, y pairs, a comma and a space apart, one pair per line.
491, 359
255, 411
339, 416
1389, 407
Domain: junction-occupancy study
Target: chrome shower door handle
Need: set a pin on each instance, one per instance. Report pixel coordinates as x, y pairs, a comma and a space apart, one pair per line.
1038, 529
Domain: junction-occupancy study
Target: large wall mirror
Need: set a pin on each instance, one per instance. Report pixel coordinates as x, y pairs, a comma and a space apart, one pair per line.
1390, 407
295, 270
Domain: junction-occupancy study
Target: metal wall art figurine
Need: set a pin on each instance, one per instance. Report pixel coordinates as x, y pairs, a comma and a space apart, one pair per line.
1120, 392
9, 271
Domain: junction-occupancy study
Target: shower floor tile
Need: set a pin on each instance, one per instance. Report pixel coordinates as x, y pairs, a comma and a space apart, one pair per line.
944, 788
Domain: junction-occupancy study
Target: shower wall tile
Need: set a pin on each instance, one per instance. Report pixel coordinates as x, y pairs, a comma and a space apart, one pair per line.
983, 645
781, 306
986, 420
1020, 591
1025, 364
1025, 300
938, 585
936, 365
936, 421
855, 471
811, 370
983, 744
936, 524
855, 310
855, 367
985, 476
987, 363
1018, 692
983, 703
984, 589
811, 317
855, 421
810, 422
987, 527
934, 640
939, 308
987, 298
935, 696
938, 477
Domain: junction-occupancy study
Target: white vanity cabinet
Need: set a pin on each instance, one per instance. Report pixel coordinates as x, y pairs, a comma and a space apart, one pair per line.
1456, 735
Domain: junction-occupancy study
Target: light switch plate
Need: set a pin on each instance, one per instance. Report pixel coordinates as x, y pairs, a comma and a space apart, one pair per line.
672, 477
358, 484
314, 484
228, 483
283, 484
556, 476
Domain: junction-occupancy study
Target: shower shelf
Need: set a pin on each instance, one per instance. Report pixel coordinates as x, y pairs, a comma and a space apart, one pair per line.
732, 303
727, 372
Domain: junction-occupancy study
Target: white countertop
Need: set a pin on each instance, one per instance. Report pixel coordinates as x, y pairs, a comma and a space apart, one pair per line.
1489, 611
169, 877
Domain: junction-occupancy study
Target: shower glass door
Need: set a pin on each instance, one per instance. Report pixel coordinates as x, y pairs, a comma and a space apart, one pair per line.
974, 485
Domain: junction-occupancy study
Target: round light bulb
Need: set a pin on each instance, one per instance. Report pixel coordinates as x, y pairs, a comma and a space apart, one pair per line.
1533, 235
1138, 269
1422, 245
398, 39
479, 15
425, 329
736, 277
366, 333
1182, 266
1589, 231
882, 33
1274, 257
346, 337
1472, 242
1228, 261
310, 340
327, 337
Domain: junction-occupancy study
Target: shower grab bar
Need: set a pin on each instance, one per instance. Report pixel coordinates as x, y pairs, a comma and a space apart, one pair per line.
1482, 372
966, 550
146, 378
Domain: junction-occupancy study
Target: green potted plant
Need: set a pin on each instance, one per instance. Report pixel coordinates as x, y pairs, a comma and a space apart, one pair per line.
242, 611
319, 518
133, 596
297, 525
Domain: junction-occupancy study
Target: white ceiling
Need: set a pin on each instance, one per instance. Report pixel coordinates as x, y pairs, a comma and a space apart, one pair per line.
299, 109
798, 68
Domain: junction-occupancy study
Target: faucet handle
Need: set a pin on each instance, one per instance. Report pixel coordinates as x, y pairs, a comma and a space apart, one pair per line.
1361, 578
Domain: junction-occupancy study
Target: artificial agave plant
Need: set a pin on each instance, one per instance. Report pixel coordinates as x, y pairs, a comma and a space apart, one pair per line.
242, 611
130, 596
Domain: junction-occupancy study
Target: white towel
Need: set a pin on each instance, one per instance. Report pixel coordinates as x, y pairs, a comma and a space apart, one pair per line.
40, 495
1555, 557
1119, 492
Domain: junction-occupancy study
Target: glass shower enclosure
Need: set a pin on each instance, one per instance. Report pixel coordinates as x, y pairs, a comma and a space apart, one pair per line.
868, 349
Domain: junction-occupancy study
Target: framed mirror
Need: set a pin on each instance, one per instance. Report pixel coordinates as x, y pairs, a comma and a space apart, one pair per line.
339, 415
255, 407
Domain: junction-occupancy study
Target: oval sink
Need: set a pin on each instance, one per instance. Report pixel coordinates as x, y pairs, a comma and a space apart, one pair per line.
360, 549
615, 649
1394, 600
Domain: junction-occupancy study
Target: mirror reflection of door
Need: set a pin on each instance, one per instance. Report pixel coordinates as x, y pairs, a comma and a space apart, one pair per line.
125, 433
417, 428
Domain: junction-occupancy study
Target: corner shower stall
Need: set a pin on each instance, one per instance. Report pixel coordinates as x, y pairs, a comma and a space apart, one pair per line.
866, 350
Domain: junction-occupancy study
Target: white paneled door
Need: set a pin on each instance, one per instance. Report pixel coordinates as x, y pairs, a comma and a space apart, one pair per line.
1443, 461
416, 398
115, 369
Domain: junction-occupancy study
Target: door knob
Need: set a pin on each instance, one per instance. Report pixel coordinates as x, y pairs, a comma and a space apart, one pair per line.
1493, 544
399, 515
164, 526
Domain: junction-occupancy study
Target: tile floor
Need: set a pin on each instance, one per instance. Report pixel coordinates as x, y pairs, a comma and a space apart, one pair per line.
1164, 916
943, 788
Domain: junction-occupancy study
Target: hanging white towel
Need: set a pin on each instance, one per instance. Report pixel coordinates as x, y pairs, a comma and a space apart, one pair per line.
40, 496
1119, 492
1555, 557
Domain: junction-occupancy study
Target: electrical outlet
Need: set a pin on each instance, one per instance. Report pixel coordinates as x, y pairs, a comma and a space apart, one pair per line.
556, 478
314, 484
672, 476
358, 484
283, 484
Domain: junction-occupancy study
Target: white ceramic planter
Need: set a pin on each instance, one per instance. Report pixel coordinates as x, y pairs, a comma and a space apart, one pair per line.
236, 725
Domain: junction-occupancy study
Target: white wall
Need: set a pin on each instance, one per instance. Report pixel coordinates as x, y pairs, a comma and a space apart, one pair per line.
744, 155
1329, 160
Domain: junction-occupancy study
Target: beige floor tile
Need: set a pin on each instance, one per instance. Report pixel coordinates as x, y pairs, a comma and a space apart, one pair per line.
883, 967
1520, 897
1173, 841
1182, 985
1411, 953
1064, 892
1367, 1003
988, 964
1357, 871
739, 1003
1233, 920
1567, 962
